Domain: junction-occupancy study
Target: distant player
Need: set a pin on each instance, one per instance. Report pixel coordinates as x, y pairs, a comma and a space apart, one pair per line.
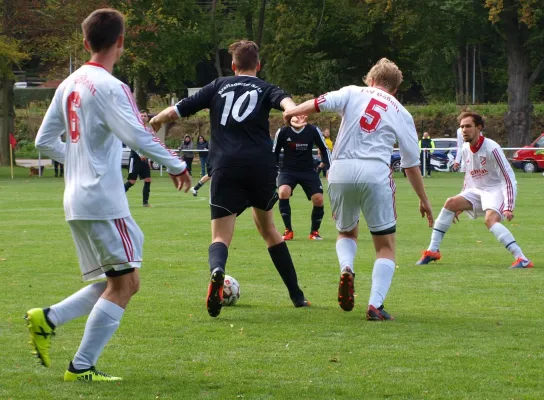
490, 191
138, 166
360, 178
98, 113
243, 164
201, 182
298, 169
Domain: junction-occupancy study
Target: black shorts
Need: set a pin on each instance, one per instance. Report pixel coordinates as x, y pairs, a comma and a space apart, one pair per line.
138, 168
236, 188
309, 180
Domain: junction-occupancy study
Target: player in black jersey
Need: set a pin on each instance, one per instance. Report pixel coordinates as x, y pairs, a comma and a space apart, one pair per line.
138, 166
243, 164
298, 169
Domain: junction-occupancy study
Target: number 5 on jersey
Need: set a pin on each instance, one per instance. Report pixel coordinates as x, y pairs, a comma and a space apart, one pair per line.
253, 97
372, 118
74, 102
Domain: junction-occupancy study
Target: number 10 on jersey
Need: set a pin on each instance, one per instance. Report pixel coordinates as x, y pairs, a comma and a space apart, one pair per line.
371, 119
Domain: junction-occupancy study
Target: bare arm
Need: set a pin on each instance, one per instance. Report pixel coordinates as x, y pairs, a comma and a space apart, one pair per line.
167, 115
305, 108
414, 177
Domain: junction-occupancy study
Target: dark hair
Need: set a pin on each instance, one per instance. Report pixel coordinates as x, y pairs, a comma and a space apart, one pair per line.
200, 136
102, 28
144, 110
245, 55
476, 118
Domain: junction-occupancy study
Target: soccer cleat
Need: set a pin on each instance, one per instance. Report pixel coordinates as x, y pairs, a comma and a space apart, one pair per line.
429, 256
377, 314
288, 235
40, 334
91, 375
522, 263
301, 303
194, 191
315, 236
346, 290
214, 301
148, 205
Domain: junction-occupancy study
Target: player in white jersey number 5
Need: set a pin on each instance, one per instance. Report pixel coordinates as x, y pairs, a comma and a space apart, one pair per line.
489, 191
98, 113
360, 178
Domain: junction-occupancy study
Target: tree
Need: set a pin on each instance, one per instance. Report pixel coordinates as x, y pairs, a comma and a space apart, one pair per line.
520, 24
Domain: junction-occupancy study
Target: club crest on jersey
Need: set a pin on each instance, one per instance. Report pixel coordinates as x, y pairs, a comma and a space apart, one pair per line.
483, 160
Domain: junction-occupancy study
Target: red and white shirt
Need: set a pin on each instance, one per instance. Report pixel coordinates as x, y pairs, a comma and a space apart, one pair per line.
487, 168
372, 122
98, 113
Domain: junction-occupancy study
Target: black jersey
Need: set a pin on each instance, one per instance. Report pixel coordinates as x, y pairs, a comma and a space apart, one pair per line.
297, 147
239, 110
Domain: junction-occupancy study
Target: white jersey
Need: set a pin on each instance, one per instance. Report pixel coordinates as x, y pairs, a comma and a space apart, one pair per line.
98, 113
372, 122
487, 168
460, 143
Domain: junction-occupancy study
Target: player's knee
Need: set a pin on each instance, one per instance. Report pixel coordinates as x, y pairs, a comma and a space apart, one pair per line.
491, 218
284, 192
451, 204
147, 180
317, 200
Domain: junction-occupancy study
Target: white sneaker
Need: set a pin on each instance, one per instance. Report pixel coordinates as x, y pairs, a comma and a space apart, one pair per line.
194, 192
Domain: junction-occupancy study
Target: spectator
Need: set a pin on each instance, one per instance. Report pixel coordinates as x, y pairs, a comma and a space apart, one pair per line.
425, 156
187, 156
56, 165
328, 142
202, 144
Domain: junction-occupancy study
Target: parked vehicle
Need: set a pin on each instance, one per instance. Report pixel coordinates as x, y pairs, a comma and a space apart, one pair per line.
531, 158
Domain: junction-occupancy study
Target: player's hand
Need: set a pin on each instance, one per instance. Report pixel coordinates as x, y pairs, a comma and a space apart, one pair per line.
426, 210
182, 181
155, 124
298, 122
508, 215
456, 216
455, 166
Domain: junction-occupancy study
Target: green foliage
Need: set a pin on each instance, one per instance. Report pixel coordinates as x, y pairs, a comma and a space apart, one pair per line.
466, 327
24, 96
10, 55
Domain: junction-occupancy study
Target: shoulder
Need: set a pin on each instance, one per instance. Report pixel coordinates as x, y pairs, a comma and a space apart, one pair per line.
491, 144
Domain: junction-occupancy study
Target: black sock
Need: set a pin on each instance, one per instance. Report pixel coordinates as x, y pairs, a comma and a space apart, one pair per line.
218, 253
285, 211
128, 185
145, 191
317, 217
284, 264
46, 313
199, 185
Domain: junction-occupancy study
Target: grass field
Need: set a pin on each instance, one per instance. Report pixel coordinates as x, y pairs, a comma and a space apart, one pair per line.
466, 328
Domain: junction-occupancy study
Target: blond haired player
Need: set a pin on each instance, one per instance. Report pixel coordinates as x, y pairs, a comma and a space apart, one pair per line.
489, 190
360, 178
98, 113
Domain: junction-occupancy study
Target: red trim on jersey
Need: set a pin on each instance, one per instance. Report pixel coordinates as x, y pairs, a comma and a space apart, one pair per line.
133, 104
131, 247
478, 145
95, 64
509, 186
316, 105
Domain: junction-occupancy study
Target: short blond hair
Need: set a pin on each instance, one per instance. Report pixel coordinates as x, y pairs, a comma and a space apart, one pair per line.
385, 73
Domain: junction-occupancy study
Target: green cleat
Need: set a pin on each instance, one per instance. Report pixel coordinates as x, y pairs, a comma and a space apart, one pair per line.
40, 334
90, 375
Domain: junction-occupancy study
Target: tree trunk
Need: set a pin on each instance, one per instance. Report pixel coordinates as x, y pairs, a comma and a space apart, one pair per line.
6, 117
466, 75
248, 18
261, 24
481, 97
460, 78
140, 85
519, 116
217, 59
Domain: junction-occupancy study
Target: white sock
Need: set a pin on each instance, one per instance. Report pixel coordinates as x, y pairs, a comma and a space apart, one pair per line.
504, 236
441, 226
346, 249
101, 325
382, 275
79, 304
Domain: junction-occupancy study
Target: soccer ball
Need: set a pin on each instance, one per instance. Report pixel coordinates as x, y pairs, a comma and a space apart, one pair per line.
231, 291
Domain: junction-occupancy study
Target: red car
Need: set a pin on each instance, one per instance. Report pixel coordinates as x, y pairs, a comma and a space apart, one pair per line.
531, 158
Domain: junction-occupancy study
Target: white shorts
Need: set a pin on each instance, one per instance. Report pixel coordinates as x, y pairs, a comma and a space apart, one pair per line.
107, 245
483, 200
357, 186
